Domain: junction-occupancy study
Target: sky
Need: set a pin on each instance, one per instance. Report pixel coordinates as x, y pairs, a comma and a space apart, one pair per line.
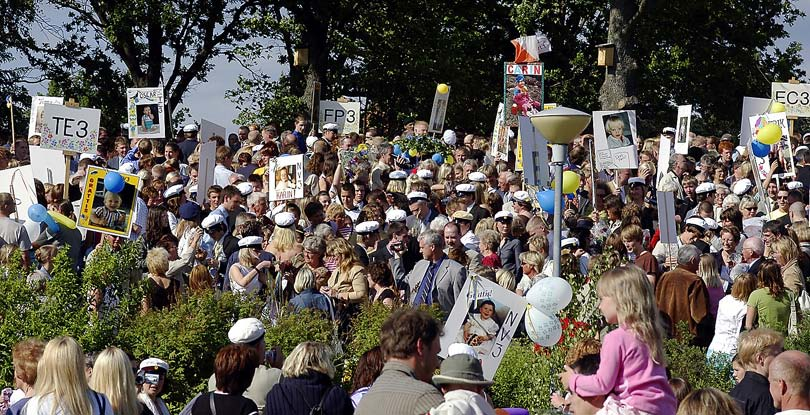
207, 100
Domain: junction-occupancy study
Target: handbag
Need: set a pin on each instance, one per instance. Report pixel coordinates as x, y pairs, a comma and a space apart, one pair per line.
793, 320
803, 299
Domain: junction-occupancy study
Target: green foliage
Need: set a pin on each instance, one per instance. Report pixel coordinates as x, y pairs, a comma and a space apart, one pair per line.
690, 363
293, 328
188, 337
424, 146
263, 100
526, 379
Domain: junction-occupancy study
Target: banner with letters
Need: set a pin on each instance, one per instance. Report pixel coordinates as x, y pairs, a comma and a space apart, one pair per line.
522, 90
796, 98
105, 211
286, 178
345, 114
70, 129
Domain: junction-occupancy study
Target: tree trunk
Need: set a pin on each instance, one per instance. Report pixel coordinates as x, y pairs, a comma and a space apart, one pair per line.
618, 92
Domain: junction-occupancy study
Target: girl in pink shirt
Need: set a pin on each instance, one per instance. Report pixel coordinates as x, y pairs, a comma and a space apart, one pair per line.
631, 370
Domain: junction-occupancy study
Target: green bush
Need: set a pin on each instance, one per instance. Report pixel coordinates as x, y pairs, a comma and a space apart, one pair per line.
689, 362
526, 378
293, 328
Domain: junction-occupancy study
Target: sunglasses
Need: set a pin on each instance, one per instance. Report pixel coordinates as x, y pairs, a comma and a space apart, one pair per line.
751, 208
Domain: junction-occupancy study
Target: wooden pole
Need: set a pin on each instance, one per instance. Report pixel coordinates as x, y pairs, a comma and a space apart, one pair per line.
13, 135
68, 155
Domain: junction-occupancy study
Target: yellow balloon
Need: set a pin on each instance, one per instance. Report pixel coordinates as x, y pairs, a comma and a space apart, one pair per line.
777, 107
769, 134
413, 152
442, 89
570, 182
63, 220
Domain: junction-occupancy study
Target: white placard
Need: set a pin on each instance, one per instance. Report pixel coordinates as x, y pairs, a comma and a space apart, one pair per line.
666, 217
466, 321
751, 107
37, 121
286, 178
683, 126
209, 129
145, 113
782, 150
71, 129
345, 114
665, 145
535, 154
796, 98
48, 166
19, 182
208, 162
500, 135
615, 139
437, 114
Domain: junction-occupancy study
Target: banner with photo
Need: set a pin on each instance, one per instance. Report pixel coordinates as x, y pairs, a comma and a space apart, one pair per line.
105, 211
500, 137
36, 123
522, 90
487, 320
682, 129
145, 113
286, 178
781, 152
615, 139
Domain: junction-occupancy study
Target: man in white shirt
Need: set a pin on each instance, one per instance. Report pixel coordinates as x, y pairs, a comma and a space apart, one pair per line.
789, 383
223, 169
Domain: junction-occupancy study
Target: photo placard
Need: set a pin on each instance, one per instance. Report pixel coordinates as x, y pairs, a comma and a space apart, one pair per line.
683, 126
286, 178
105, 211
615, 139
145, 113
37, 121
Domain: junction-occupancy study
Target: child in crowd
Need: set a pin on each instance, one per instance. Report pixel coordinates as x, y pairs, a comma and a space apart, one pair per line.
757, 349
632, 369
109, 216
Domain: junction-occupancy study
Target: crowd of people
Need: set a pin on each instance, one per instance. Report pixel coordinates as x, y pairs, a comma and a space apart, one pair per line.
405, 231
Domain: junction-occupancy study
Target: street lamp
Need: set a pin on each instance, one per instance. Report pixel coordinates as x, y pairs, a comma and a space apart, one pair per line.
559, 126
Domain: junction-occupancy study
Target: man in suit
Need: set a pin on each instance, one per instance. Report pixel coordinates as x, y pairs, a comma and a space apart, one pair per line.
466, 195
436, 278
752, 251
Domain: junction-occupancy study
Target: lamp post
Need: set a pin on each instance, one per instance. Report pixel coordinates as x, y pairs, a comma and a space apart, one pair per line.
559, 126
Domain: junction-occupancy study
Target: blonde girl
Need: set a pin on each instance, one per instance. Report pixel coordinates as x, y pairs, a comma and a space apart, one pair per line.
61, 386
112, 376
631, 370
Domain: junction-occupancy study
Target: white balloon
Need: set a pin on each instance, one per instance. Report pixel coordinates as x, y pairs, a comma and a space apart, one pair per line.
550, 295
543, 329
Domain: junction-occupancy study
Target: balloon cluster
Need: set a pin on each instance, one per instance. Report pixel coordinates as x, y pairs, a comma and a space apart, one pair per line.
570, 184
38, 213
547, 297
114, 182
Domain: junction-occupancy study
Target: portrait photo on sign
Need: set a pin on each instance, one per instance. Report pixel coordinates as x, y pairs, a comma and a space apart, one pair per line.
285, 178
523, 91
615, 139
780, 152
683, 129
108, 208
148, 119
487, 320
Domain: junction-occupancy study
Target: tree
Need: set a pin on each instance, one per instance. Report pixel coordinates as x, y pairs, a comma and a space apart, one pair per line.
112, 45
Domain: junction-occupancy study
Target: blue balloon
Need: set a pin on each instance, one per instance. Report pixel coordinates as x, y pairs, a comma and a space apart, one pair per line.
546, 199
397, 150
38, 213
113, 182
759, 149
438, 159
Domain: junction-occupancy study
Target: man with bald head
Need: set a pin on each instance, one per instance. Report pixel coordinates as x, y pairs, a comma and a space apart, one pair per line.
752, 251
789, 379
797, 213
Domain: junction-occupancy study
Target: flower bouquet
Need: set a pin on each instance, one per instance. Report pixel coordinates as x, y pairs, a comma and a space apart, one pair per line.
423, 147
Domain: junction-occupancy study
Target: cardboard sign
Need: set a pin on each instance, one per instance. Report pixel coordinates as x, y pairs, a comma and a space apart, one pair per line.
71, 129
345, 114
534, 149
682, 129
796, 98
781, 151
751, 107
468, 321
664, 147
48, 165
437, 114
522, 90
145, 113
210, 129
105, 211
37, 121
286, 179
615, 139
500, 136
19, 182
205, 176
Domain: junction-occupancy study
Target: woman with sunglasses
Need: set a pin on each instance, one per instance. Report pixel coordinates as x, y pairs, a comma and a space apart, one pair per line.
249, 274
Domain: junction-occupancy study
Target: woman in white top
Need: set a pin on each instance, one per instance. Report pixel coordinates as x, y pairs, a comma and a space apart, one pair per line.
61, 387
731, 313
249, 274
531, 264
